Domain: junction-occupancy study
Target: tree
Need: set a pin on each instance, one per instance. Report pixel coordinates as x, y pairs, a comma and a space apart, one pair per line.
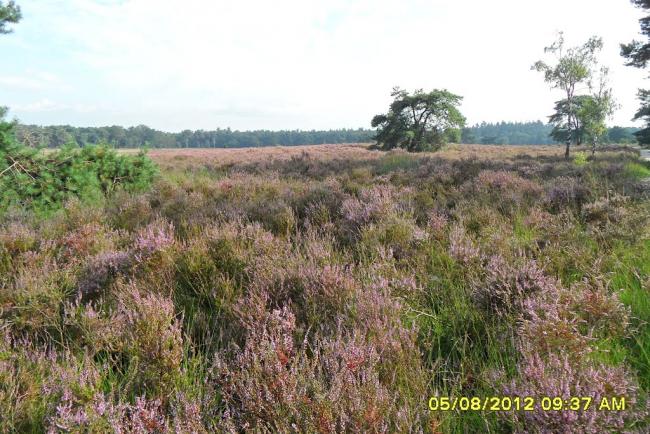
573, 67
419, 122
618, 134
565, 122
467, 136
6, 129
597, 108
9, 14
589, 114
638, 53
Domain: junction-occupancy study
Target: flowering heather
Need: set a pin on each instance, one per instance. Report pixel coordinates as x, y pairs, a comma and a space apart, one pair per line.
275, 384
154, 238
505, 288
81, 242
504, 182
566, 191
560, 376
101, 269
373, 204
600, 310
437, 222
326, 294
152, 336
16, 238
461, 246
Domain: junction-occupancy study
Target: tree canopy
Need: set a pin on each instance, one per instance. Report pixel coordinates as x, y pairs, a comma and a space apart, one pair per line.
9, 14
573, 66
139, 136
637, 54
420, 121
589, 115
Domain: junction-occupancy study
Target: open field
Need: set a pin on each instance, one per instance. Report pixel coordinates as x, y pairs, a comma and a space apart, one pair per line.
184, 157
334, 289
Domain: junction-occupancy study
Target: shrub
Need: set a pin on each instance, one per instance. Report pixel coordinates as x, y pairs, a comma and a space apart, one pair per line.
151, 337
101, 270
505, 288
461, 246
399, 235
560, 376
274, 384
605, 210
564, 192
44, 181
580, 158
151, 240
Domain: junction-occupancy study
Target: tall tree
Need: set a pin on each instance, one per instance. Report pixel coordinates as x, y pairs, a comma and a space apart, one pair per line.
637, 54
597, 109
589, 115
573, 66
567, 122
420, 121
9, 14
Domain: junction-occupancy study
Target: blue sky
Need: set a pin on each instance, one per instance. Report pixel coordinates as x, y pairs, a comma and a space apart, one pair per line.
203, 64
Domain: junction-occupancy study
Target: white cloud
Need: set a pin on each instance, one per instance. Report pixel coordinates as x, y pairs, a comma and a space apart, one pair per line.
32, 80
47, 105
320, 64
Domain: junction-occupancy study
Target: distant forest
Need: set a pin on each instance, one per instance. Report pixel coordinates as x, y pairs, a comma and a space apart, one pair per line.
531, 133
506, 133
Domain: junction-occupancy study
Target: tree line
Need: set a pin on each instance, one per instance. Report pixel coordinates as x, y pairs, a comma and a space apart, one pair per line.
141, 136
499, 133
533, 133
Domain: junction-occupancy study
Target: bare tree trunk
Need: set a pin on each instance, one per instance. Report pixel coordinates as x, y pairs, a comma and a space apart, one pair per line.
568, 145
569, 98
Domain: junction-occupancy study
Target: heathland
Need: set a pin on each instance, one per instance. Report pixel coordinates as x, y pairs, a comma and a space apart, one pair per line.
333, 289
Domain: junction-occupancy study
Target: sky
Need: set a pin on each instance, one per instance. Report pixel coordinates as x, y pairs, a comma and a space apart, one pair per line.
295, 64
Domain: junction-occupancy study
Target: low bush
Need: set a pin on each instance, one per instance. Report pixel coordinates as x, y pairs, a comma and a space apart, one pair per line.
43, 180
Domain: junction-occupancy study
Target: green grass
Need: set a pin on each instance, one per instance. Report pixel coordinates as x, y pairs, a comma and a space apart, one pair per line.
638, 170
631, 275
394, 161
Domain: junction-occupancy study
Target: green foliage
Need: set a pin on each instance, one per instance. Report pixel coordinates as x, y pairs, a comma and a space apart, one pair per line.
421, 121
572, 67
630, 265
9, 14
40, 180
580, 159
637, 54
136, 137
643, 136
535, 133
560, 131
622, 135
637, 170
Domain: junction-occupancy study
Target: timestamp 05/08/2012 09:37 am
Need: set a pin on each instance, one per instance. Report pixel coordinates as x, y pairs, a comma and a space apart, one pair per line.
527, 403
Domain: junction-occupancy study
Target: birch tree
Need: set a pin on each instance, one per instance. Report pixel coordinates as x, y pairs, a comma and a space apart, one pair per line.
572, 67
